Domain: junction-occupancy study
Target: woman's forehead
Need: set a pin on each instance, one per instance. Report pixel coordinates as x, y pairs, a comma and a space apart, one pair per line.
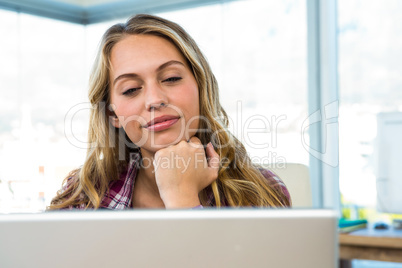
147, 45
143, 53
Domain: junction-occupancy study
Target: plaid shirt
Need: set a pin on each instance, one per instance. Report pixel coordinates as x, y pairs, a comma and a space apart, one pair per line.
120, 192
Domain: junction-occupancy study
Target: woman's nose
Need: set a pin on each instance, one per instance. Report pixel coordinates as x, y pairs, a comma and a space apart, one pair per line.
155, 97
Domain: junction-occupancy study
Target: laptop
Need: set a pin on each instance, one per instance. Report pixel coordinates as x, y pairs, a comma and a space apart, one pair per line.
170, 238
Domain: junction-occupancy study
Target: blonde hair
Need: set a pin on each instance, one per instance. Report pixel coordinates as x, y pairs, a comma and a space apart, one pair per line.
239, 183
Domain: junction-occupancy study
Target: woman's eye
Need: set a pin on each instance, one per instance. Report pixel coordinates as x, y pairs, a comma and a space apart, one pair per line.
172, 79
131, 91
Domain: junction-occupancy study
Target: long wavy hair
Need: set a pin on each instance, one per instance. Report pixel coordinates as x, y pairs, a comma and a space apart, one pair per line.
239, 183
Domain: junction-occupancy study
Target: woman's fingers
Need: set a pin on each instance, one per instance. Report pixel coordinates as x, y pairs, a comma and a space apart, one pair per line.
212, 156
190, 169
194, 141
213, 162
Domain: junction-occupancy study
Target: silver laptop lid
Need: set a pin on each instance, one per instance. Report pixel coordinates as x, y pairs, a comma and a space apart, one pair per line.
175, 238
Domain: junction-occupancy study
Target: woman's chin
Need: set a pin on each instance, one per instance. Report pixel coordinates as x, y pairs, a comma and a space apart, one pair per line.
158, 145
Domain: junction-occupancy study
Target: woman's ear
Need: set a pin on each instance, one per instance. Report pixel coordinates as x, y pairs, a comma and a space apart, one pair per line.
113, 119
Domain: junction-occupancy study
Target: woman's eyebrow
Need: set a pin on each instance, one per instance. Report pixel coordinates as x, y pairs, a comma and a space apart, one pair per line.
129, 75
169, 63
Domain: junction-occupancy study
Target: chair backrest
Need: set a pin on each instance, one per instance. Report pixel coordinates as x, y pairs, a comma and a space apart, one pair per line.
297, 179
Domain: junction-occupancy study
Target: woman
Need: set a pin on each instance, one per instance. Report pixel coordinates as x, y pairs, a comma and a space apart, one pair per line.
155, 124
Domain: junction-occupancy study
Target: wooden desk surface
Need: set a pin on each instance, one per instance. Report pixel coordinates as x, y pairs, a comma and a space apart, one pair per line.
371, 244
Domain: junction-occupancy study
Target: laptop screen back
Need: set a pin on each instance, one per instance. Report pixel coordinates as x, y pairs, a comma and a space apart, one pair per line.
176, 238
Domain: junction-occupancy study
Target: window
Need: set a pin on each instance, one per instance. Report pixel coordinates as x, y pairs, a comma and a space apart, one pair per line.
44, 74
370, 82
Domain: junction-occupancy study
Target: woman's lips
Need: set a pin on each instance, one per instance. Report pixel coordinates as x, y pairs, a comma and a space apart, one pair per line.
161, 123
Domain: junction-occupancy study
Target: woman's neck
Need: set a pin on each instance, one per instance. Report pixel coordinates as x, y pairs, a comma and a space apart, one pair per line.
147, 169
146, 192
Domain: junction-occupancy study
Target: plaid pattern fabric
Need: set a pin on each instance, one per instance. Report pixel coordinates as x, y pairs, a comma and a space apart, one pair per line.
120, 192
275, 182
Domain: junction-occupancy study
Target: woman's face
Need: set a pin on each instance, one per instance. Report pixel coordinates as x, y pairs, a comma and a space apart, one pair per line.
153, 92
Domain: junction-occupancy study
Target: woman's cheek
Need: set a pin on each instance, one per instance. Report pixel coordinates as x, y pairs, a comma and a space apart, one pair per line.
134, 132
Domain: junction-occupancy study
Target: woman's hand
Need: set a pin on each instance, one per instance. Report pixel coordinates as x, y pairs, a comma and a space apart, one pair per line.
182, 171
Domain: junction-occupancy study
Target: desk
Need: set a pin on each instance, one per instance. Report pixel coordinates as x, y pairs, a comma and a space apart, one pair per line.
370, 244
